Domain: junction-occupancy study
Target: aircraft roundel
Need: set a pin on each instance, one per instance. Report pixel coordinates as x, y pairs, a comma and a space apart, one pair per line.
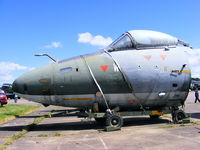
104, 67
148, 57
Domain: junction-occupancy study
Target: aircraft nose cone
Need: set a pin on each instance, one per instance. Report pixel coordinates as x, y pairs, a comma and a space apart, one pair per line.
17, 85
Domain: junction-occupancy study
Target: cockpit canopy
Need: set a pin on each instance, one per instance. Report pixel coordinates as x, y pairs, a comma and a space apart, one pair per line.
143, 39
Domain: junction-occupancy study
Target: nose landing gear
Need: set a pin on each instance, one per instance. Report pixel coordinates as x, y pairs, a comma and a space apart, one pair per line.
114, 120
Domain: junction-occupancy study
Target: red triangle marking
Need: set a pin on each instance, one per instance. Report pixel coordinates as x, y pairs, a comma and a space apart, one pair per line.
104, 67
163, 57
147, 57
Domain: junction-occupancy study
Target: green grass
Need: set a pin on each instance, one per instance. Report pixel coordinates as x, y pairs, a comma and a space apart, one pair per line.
194, 122
56, 134
168, 126
42, 135
10, 111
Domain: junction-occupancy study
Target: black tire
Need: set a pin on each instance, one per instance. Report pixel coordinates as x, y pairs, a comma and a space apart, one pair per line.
154, 116
177, 116
114, 120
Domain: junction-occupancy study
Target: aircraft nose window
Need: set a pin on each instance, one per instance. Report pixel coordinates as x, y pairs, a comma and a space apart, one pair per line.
68, 69
123, 42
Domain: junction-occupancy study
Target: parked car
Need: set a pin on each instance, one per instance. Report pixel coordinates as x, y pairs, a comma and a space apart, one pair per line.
194, 85
7, 87
3, 98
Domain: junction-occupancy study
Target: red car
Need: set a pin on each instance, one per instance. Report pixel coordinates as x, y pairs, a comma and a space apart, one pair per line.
3, 98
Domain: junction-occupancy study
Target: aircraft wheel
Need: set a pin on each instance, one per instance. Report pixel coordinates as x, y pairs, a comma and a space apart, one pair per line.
114, 120
154, 116
178, 115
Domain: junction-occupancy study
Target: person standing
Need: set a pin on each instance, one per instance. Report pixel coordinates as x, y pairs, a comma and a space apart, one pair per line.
196, 94
15, 98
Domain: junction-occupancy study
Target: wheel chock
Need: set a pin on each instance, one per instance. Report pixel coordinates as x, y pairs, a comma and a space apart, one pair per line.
110, 128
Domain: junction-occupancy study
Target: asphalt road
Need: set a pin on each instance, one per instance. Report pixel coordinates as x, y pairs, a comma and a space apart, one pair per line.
141, 133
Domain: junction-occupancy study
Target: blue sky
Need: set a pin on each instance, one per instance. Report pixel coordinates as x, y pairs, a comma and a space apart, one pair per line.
28, 27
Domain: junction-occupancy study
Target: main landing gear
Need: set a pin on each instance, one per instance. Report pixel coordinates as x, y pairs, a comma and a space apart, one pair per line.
178, 115
112, 120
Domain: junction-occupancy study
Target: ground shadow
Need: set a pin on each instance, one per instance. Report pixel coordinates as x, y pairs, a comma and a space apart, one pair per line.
31, 116
143, 121
86, 125
195, 115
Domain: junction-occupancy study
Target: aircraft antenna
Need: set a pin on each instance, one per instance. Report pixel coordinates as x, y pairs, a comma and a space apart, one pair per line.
97, 84
47, 56
183, 43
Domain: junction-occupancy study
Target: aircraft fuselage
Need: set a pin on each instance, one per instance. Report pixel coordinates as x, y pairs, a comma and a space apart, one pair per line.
129, 79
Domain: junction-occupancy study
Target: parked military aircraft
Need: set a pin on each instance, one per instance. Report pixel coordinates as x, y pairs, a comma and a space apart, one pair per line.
142, 72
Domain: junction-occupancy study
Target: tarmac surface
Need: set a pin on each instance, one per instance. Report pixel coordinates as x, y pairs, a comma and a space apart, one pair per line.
69, 132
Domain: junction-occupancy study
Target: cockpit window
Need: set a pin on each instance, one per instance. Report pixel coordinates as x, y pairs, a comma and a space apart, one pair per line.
123, 43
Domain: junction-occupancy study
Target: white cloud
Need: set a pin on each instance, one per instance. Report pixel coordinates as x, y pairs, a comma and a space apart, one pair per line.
6, 78
194, 60
30, 69
53, 45
6, 70
97, 40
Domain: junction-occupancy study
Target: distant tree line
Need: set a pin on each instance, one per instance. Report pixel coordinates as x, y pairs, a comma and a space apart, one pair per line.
196, 79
